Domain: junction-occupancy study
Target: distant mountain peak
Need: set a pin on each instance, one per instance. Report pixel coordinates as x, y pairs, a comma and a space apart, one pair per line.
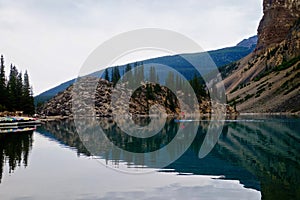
249, 43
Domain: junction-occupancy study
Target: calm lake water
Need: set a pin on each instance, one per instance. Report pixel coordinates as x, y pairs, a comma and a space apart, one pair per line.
256, 157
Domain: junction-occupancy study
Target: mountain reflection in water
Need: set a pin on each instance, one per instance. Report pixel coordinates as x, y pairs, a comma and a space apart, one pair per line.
262, 153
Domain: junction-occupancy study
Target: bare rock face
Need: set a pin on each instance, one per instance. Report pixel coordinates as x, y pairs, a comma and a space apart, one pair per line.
61, 104
279, 17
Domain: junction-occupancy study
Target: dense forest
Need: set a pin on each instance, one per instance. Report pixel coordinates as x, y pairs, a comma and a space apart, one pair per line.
15, 90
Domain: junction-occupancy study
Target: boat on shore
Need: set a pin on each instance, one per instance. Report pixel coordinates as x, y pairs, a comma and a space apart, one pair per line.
18, 124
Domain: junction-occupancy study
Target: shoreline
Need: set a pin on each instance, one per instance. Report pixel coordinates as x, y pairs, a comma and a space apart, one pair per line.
271, 114
59, 117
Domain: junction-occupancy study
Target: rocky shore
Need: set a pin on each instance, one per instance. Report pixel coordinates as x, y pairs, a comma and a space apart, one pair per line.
139, 105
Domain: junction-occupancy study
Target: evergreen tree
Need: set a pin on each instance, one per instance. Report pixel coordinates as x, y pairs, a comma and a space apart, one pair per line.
142, 72
170, 79
12, 89
3, 90
128, 68
27, 96
128, 73
152, 75
198, 87
149, 92
177, 82
138, 73
106, 76
157, 88
115, 75
170, 100
135, 74
19, 92
15, 94
140, 76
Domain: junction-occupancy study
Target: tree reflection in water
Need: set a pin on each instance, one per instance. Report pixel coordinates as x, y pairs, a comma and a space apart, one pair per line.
14, 150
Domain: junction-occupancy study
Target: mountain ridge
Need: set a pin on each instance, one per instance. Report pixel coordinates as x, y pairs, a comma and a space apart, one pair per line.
268, 79
249, 42
221, 57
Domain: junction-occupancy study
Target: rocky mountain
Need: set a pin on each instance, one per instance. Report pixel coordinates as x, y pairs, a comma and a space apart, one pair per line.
249, 43
268, 79
140, 102
45, 96
278, 19
221, 57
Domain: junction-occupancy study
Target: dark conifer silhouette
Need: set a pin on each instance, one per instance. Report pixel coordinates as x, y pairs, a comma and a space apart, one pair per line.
3, 91
15, 93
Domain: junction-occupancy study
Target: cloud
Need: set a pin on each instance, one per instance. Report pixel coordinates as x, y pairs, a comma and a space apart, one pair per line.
53, 38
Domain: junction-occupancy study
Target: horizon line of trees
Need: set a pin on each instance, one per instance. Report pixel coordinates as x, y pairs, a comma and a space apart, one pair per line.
136, 75
15, 91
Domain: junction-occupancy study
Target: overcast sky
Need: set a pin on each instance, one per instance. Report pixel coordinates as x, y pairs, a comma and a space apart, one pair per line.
52, 38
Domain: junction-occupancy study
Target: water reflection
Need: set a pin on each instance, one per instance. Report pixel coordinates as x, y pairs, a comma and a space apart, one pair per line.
14, 150
64, 132
268, 148
262, 153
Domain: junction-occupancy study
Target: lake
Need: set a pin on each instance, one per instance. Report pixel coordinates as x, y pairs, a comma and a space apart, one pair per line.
255, 157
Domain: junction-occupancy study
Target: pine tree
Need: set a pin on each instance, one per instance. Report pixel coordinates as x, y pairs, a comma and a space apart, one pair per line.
177, 82
12, 89
128, 68
128, 73
139, 75
3, 90
19, 92
170, 79
27, 96
135, 74
106, 76
142, 72
149, 92
115, 75
198, 87
152, 75
15, 94
170, 100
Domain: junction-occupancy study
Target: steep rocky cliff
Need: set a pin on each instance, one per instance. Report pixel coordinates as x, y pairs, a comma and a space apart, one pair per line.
268, 80
279, 17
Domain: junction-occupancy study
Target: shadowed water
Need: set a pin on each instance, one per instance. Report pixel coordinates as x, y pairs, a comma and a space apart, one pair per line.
255, 157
